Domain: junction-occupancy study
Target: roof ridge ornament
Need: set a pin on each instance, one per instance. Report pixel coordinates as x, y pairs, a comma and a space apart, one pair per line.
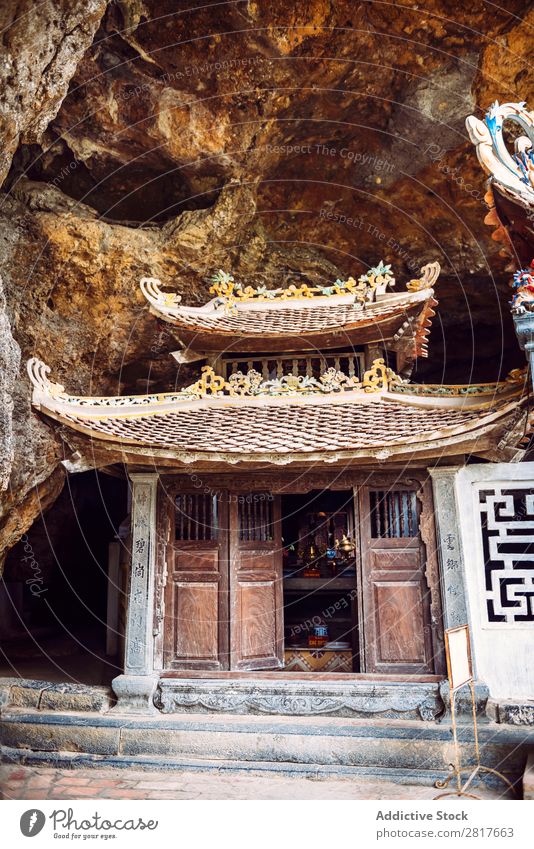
151, 289
516, 379
38, 373
378, 378
374, 282
430, 274
228, 292
513, 172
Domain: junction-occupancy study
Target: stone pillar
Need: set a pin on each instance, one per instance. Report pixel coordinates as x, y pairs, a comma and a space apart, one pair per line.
136, 687
452, 575
449, 545
524, 328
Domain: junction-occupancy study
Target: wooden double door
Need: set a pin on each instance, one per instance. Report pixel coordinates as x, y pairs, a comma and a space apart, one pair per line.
224, 588
224, 601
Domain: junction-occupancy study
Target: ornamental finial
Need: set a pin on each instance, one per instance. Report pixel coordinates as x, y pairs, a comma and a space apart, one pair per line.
514, 172
151, 289
429, 276
38, 373
380, 377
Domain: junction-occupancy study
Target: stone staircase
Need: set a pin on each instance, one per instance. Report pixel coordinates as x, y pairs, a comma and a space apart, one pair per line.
75, 725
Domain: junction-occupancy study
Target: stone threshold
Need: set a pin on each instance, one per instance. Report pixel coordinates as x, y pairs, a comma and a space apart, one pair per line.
377, 697
371, 696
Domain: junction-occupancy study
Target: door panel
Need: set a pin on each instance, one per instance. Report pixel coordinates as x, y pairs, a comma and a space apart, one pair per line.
195, 558
399, 638
396, 598
258, 604
256, 599
196, 620
196, 610
395, 560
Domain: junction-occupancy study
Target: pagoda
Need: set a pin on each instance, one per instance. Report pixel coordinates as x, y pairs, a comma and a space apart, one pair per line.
283, 506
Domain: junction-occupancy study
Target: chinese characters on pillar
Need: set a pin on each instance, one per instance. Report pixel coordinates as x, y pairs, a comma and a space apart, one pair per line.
453, 579
137, 612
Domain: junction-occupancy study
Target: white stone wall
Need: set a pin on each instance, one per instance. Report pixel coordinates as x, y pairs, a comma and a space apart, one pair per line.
499, 573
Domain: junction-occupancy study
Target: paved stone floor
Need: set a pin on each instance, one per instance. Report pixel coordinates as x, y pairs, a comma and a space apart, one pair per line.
18, 782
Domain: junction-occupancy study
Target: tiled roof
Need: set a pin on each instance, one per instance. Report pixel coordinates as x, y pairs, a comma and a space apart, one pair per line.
376, 417
308, 317
283, 428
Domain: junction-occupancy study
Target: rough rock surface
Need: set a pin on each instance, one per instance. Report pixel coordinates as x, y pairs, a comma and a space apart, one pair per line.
42, 45
9, 369
272, 140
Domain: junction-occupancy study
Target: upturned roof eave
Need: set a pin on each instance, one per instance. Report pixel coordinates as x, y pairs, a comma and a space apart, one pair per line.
486, 437
463, 437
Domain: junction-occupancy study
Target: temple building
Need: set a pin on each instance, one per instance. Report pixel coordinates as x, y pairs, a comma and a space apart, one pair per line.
266, 402
294, 526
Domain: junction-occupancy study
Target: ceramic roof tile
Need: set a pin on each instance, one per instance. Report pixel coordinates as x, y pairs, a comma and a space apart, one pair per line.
293, 428
311, 318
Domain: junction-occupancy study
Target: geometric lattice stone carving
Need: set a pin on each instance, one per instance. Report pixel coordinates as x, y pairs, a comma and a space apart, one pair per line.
507, 522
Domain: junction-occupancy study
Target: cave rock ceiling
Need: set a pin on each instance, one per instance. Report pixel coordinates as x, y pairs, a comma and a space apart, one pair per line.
283, 142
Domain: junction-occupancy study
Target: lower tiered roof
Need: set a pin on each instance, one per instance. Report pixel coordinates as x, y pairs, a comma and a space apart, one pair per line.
294, 419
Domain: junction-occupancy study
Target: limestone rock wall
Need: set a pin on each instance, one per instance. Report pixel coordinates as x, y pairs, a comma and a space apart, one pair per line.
41, 48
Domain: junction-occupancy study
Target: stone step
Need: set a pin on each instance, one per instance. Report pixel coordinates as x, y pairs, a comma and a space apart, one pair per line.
48, 696
165, 764
399, 746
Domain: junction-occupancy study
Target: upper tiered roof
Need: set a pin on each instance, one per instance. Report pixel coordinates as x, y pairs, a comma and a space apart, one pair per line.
304, 317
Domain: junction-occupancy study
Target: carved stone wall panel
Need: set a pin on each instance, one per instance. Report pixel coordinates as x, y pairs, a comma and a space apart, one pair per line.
496, 516
506, 514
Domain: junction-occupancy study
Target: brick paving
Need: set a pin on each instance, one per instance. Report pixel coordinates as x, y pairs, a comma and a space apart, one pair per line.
21, 782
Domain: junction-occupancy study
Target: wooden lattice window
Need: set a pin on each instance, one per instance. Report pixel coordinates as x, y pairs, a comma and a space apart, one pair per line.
256, 517
196, 517
393, 514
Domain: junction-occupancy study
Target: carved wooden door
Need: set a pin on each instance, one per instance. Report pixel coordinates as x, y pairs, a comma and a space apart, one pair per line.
395, 595
256, 598
196, 595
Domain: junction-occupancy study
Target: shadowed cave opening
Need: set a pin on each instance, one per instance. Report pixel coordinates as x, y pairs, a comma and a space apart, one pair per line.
54, 594
135, 193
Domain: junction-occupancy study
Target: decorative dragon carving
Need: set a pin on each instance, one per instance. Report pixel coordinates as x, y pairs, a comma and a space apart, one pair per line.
514, 172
